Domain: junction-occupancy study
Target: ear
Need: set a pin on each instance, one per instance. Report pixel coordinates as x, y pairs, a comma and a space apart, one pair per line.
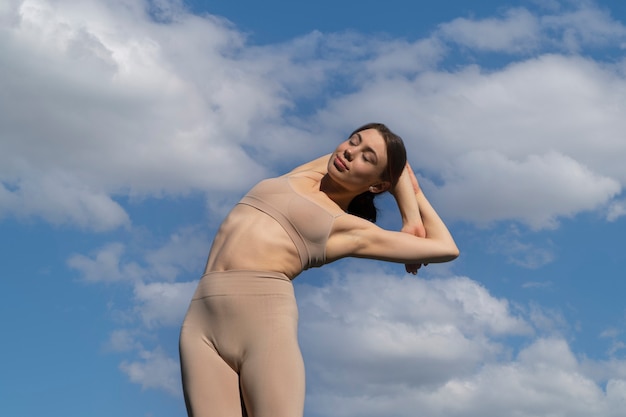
380, 187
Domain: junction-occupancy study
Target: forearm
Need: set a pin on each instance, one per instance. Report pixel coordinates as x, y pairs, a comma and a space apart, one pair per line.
404, 193
434, 225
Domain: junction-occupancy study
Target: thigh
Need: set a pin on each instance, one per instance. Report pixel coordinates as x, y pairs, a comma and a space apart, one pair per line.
274, 386
272, 375
210, 385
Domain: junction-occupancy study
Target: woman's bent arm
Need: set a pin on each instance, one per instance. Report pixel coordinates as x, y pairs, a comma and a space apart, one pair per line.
404, 192
360, 238
373, 242
435, 227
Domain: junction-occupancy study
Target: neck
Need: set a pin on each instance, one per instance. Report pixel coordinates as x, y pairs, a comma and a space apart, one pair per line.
340, 195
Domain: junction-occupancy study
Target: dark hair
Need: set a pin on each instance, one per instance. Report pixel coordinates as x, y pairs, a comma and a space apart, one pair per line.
363, 204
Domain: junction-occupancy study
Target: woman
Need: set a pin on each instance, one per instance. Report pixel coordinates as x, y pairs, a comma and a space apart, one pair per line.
238, 345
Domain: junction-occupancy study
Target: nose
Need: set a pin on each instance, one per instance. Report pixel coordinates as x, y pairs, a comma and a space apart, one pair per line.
347, 154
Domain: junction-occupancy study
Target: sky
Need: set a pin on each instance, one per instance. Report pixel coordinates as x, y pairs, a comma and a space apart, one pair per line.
128, 128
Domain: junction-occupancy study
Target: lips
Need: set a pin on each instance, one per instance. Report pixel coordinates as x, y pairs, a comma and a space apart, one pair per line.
341, 166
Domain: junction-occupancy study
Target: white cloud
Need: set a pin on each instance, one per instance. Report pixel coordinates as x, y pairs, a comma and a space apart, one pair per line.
383, 331
127, 106
544, 380
155, 370
402, 57
123, 340
511, 245
119, 104
105, 265
61, 199
537, 284
525, 189
378, 345
518, 31
183, 252
616, 344
605, 370
616, 210
375, 344
584, 26
163, 303
508, 144
546, 320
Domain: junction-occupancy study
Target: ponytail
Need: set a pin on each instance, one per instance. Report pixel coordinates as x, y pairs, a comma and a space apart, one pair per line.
363, 206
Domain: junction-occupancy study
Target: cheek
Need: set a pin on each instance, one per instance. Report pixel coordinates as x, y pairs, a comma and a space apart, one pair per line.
368, 172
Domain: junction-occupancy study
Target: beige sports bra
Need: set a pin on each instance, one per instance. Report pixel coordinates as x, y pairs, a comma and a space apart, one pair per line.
305, 221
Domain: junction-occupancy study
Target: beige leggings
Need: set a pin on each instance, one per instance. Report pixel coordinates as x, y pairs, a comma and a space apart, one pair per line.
239, 350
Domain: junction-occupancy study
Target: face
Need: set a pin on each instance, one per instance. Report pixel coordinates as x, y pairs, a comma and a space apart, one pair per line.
358, 163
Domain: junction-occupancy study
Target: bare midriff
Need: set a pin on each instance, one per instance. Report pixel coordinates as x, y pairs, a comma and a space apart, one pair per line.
249, 239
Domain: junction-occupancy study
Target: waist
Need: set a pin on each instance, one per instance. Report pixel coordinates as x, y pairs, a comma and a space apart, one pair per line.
243, 282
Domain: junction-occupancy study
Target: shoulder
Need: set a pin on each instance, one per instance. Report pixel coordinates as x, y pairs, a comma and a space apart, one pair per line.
347, 223
319, 166
350, 234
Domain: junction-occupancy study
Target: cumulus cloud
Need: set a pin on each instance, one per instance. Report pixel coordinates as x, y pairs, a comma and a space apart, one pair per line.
163, 303
386, 331
105, 265
126, 105
512, 245
61, 199
514, 141
108, 100
570, 28
123, 340
586, 25
536, 178
545, 379
182, 252
155, 370
517, 31
616, 210
185, 250
378, 345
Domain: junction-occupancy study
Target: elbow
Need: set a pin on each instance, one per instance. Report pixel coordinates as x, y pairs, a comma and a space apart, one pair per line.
451, 254
445, 253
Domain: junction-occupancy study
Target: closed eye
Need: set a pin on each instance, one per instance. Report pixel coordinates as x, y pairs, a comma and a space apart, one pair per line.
355, 139
369, 158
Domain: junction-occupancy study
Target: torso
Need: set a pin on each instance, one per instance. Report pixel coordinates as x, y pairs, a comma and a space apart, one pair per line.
250, 239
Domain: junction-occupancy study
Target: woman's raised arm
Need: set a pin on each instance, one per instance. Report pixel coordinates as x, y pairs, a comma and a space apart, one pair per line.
404, 192
360, 238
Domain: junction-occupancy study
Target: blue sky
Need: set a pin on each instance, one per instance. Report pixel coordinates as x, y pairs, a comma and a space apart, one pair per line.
128, 128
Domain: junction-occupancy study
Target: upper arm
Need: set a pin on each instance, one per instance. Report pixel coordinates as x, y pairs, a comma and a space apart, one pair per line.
366, 240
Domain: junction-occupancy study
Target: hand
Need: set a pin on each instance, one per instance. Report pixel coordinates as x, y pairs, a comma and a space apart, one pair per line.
414, 183
419, 231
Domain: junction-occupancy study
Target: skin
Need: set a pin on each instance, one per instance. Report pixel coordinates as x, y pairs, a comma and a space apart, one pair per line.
333, 181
